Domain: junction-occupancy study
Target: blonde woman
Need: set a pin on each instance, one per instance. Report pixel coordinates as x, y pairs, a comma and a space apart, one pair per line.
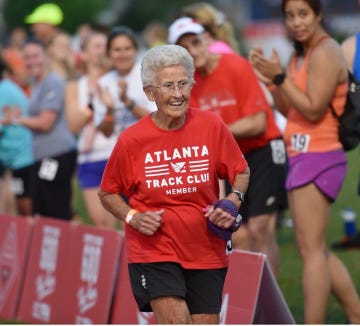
93, 146
219, 31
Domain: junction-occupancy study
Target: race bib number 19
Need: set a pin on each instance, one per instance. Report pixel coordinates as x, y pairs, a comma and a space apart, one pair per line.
300, 142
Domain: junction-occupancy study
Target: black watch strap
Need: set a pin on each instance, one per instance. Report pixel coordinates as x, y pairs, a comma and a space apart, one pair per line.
240, 195
279, 79
131, 105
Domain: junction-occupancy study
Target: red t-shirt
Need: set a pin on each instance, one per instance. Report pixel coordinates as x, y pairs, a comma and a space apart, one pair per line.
177, 171
233, 91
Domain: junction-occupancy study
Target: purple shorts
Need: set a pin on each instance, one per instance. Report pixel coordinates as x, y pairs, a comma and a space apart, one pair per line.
90, 174
326, 170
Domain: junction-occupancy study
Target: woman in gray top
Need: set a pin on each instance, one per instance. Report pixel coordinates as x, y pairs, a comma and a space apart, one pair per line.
54, 145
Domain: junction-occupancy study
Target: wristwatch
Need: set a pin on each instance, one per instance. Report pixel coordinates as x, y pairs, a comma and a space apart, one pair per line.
131, 105
240, 195
279, 79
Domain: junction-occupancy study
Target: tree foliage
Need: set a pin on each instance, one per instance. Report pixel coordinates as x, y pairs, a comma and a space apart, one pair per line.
141, 12
76, 12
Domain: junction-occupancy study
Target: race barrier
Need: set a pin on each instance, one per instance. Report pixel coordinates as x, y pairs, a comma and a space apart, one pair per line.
70, 275
89, 292
45, 272
58, 272
125, 309
251, 294
15, 236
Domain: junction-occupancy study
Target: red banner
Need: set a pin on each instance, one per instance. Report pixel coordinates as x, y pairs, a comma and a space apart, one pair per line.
46, 271
71, 274
241, 288
92, 270
125, 309
15, 234
251, 294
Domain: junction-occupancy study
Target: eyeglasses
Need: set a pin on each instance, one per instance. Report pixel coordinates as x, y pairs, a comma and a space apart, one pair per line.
183, 86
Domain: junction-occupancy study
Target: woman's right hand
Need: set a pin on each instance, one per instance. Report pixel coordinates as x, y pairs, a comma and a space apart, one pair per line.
147, 222
105, 96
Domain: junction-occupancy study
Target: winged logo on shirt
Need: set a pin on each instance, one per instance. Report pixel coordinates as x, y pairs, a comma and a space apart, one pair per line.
178, 167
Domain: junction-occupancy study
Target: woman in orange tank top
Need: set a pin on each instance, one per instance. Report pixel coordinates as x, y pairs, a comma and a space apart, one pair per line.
316, 76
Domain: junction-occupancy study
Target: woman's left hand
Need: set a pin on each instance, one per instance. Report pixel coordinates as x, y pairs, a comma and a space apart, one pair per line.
11, 115
219, 217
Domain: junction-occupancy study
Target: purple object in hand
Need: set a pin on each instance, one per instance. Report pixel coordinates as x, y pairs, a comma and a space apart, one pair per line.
228, 206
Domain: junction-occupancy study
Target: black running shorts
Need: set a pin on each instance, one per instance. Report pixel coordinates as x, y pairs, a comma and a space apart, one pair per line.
200, 288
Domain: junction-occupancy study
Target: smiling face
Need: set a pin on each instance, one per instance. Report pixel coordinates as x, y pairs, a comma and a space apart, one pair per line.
122, 54
301, 20
35, 59
172, 102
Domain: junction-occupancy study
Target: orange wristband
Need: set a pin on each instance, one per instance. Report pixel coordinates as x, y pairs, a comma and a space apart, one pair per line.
271, 87
109, 118
88, 114
130, 215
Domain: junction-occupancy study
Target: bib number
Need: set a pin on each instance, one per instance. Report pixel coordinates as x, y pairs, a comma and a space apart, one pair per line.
17, 186
300, 142
278, 151
48, 169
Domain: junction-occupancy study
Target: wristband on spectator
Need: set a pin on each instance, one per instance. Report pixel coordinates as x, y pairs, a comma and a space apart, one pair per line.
131, 105
90, 106
109, 118
130, 215
88, 114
